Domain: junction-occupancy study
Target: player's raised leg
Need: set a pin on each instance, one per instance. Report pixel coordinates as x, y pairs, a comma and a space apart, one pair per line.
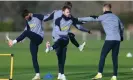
75, 42
81, 47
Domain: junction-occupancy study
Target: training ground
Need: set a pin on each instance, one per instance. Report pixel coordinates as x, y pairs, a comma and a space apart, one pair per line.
79, 65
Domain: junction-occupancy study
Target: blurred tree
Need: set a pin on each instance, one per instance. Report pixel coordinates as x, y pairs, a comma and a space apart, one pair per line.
126, 18
12, 10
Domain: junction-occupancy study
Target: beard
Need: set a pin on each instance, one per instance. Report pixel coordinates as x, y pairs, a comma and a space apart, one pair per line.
29, 18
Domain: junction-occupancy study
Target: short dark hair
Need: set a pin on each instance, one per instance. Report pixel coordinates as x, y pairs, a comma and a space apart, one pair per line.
108, 5
68, 3
25, 12
66, 7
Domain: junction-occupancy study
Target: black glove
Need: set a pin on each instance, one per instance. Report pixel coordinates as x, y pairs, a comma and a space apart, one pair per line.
76, 21
122, 38
89, 32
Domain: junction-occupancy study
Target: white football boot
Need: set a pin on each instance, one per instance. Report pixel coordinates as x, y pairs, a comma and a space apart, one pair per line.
59, 76
36, 77
81, 47
63, 77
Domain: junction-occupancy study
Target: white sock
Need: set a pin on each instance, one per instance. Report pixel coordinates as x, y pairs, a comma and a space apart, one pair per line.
37, 74
114, 76
99, 73
51, 48
79, 46
14, 41
62, 74
59, 73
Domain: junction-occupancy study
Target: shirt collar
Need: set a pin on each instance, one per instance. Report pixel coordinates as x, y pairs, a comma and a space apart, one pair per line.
106, 12
66, 18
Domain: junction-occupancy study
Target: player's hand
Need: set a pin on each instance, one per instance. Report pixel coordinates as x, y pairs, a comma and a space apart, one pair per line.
89, 32
10, 43
122, 38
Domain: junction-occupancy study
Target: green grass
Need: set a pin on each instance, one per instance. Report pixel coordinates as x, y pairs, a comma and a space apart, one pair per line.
79, 65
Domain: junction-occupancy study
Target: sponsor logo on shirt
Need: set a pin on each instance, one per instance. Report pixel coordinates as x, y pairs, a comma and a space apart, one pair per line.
65, 28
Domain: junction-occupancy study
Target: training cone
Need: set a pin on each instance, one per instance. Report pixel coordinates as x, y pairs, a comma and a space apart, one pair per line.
48, 77
129, 55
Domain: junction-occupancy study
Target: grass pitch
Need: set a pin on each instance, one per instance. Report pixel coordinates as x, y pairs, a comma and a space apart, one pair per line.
79, 65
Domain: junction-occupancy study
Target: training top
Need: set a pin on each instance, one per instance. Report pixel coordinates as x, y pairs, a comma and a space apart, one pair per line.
112, 25
55, 15
62, 27
35, 25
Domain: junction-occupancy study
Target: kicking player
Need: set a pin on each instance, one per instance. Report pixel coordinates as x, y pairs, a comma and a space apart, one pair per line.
71, 35
114, 29
61, 30
58, 13
34, 31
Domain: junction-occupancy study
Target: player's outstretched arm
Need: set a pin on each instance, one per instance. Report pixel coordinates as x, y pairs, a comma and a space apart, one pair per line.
81, 28
89, 19
76, 23
44, 17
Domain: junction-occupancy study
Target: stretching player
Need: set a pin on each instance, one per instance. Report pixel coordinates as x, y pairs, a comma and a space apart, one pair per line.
58, 13
61, 30
114, 29
34, 31
71, 35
